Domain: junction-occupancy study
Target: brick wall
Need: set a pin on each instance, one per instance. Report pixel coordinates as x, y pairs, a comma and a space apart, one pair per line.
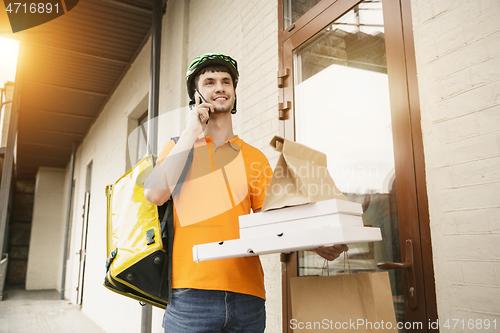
249, 35
457, 45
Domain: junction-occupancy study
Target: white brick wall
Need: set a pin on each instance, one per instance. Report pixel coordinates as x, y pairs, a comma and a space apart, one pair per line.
458, 66
249, 34
47, 231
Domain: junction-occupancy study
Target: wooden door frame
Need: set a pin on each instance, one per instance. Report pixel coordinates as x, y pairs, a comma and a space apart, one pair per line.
418, 156
83, 249
408, 145
84, 234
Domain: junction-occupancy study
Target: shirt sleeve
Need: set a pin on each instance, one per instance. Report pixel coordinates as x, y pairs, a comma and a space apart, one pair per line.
167, 148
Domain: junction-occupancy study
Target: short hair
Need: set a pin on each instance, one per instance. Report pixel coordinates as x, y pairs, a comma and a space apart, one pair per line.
211, 68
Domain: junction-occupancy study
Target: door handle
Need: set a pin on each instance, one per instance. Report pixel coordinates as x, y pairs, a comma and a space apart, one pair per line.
408, 264
393, 265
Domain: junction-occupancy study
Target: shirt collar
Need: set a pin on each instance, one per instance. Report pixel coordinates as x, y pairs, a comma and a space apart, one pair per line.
234, 143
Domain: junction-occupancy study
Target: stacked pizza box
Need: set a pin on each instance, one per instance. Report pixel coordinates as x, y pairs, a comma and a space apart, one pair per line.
303, 227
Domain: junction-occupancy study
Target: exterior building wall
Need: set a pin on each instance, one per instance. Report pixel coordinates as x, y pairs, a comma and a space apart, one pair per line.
249, 34
457, 45
47, 231
105, 147
458, 65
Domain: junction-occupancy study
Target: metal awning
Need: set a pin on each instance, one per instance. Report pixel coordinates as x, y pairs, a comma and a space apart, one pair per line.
71, 67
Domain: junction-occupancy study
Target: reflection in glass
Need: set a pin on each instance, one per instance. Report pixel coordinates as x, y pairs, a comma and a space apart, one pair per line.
342, 109
294, 9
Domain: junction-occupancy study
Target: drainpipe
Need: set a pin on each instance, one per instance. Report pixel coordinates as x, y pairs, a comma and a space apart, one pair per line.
154, 84
154, 93
68, 218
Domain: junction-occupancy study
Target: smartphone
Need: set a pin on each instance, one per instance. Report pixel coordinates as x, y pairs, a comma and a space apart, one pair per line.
203, 100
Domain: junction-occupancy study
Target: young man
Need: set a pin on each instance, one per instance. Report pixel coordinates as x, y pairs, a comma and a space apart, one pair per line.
227, 178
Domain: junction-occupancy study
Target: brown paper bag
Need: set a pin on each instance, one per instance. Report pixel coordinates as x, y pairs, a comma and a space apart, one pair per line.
301, 176
351, 302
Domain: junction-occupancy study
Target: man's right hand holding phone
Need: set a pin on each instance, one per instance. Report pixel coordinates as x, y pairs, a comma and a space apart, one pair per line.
202, 105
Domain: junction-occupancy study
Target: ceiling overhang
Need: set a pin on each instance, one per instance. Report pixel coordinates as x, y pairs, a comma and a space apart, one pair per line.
70, 68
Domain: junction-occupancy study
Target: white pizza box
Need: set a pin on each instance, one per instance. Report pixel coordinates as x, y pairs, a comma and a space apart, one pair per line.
320, 208
285, 242
315, 222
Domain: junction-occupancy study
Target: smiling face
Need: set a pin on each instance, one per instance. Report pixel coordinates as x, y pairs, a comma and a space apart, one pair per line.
218, 89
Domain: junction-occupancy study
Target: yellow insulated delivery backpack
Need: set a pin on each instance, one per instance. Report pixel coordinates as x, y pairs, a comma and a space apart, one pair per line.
140, 237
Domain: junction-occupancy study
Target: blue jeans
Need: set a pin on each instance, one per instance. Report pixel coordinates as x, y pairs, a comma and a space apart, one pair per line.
196, 311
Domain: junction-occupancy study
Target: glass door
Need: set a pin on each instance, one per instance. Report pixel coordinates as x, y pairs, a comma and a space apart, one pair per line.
344, 92
342, 108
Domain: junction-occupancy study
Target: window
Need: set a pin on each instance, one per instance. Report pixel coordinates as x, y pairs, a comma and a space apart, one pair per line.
142, 138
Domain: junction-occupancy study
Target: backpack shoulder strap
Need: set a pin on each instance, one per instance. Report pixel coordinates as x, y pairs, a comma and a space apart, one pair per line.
167, 227
185, 170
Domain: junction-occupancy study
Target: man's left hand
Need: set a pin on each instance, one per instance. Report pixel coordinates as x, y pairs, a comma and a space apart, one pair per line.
331, 252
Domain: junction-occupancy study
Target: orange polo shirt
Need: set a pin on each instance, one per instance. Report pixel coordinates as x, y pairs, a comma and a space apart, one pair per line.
223, 182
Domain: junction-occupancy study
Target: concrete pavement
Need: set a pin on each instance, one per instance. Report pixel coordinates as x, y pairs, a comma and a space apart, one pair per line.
42, 311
